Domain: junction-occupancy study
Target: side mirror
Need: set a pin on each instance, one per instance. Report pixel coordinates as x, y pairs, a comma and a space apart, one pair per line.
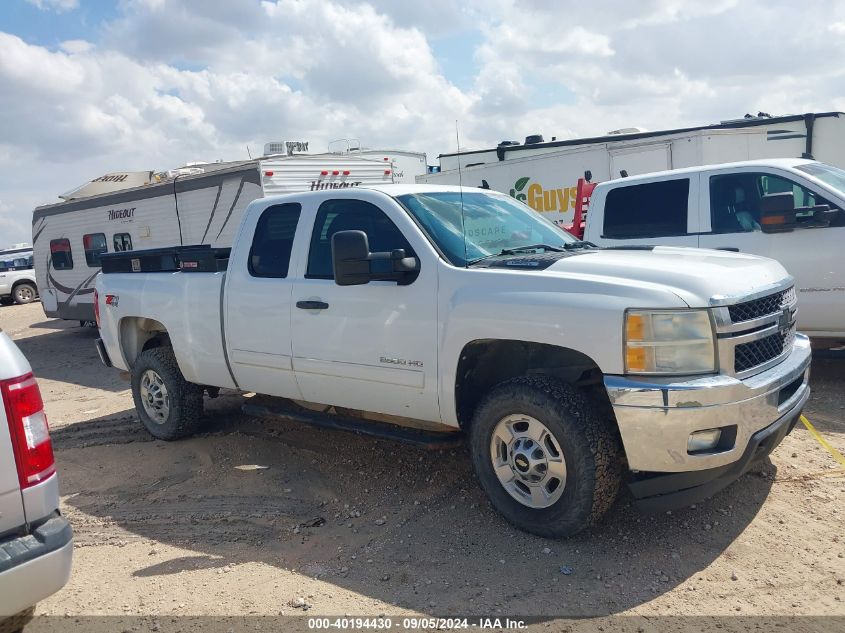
777, 212
819, 216
351, 259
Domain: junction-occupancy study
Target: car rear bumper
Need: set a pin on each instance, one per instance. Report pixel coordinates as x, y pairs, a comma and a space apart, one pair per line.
35, 566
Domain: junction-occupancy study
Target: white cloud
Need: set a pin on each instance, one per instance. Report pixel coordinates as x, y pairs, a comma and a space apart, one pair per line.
59, 6
76, 46
175, 80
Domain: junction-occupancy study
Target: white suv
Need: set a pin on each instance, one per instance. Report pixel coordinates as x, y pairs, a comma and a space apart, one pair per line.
36, 542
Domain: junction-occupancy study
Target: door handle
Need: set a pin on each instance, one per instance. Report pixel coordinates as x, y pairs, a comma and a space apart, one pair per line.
312, 305
732, 249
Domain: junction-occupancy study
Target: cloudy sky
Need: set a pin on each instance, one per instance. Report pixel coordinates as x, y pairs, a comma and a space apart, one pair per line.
91, 86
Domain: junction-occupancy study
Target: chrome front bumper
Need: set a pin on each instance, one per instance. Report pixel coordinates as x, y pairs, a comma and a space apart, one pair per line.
656, 416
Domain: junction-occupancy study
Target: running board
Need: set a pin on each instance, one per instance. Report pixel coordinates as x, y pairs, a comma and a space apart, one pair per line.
431, 440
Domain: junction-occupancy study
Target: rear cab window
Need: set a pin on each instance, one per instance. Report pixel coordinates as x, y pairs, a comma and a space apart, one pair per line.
269, 255
653, 209
60, 254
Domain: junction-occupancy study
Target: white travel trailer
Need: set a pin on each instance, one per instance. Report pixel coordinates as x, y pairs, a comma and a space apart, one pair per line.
544, 175
407, 166
199, 204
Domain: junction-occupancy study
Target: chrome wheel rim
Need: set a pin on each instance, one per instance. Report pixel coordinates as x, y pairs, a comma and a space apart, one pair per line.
154, 396
528, 461
25, 294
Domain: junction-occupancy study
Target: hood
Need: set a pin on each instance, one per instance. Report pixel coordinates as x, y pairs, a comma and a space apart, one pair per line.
696, 275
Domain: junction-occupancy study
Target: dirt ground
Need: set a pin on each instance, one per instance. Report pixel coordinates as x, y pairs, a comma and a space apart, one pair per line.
174, 529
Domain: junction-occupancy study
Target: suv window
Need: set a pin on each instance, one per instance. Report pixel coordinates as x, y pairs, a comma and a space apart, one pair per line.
94, 245
735, 200
352, 215
654, 209
272, 243
60, 254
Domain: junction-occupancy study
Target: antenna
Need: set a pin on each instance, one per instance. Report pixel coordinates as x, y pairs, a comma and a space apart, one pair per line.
248, 153
461, 190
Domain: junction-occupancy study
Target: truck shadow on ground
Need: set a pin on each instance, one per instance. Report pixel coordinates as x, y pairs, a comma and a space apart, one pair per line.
402, 525
67, 354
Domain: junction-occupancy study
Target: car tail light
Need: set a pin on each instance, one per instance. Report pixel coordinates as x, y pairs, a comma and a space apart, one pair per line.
96, 307
28, 426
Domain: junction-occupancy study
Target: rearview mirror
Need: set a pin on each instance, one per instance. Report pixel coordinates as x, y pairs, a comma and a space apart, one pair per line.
777, 212
351, 259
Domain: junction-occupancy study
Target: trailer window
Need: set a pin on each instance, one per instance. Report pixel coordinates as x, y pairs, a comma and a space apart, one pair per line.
60, 254
94, 245
654, 209
122, 242
272, 243
352, 215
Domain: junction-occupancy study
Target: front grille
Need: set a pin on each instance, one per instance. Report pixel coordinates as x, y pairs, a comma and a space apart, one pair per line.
750, 355
756, 308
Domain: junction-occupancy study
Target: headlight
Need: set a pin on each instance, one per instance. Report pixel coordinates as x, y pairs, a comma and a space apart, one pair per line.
669, 342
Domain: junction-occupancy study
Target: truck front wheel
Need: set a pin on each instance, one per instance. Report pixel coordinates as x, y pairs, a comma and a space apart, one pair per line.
542, 455
169, 406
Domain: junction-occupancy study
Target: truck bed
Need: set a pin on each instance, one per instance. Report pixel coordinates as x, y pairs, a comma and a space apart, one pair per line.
180, 288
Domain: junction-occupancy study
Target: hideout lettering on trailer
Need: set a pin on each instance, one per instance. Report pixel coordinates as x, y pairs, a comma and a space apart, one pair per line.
121, 214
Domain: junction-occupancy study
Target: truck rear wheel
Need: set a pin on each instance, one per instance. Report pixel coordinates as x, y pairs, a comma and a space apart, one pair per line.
169, 406
544, 457
24, 293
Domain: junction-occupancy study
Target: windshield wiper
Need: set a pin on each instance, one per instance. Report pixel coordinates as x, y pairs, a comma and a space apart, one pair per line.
574, 246
531, 247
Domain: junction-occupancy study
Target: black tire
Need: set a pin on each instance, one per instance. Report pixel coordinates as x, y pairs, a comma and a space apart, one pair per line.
590, 449
24, 293
184, 416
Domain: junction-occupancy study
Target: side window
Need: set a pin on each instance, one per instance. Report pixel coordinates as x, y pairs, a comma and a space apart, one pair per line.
735, 203
272, 243
60, 254
655, 209
735, 200
94, 245
122, 242
352, 215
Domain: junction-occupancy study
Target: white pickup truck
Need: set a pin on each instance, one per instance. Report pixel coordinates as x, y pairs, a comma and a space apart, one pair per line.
789, 209
36, 546
569, 368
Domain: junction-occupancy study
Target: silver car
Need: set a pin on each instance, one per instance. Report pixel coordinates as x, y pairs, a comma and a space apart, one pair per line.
36, 541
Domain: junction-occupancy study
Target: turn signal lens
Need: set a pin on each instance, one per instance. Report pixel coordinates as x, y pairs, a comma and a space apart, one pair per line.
635, 327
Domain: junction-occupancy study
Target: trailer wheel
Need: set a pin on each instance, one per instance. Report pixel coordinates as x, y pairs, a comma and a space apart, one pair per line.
169, 406
24, 293
542, 455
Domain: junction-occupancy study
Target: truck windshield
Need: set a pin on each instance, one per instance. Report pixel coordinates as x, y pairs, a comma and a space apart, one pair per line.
482, 224
828, 174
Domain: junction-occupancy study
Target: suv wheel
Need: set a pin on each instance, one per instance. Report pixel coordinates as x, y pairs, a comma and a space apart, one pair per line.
25, 293
545, 459
169, 406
